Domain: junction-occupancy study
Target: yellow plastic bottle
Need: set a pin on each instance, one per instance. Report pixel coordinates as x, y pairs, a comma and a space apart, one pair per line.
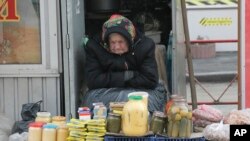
135, 117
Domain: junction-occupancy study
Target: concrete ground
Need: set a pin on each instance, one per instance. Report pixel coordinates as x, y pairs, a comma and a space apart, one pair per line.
215, 74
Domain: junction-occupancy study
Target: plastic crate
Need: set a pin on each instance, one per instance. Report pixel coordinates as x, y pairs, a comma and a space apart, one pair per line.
179, 139
119, 138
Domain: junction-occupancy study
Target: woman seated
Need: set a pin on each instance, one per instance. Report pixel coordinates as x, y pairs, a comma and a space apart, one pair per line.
119, 61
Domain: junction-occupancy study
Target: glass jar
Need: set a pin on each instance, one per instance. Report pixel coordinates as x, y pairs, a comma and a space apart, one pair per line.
179, 119
62, 133
35, 131
135, 117
59, 120
49, 132
158, 122
114, 123
171, 101
43, 117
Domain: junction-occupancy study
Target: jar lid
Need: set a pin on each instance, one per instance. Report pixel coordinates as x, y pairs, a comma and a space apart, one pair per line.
180, 99
36, 124
43, 114
59, 118
173, 96
114, 114
50, 126
159, 114
135, 97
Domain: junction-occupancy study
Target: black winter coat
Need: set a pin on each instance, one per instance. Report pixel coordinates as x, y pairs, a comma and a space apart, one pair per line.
106, 70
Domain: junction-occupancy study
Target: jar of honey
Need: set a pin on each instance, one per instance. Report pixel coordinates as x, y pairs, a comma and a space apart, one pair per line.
35, 131
62, 133
49, 132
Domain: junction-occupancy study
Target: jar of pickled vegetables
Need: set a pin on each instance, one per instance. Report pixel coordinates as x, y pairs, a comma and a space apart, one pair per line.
114, 123
135, 117
157, 122
171, 101
179, 119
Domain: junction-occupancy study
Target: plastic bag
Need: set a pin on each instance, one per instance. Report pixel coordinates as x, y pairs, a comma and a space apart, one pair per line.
21, 126
217, 132
29, 110
208, 113
5, 124
19, 137
3, 136
238, 117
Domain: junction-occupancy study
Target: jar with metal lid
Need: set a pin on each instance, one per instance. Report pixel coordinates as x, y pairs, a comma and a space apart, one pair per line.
49, 132
114, 123
171, 101
157, 122
62, 133
43, 117
35, 131
179, 119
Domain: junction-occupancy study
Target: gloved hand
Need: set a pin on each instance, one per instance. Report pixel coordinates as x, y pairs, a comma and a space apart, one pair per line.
128, 75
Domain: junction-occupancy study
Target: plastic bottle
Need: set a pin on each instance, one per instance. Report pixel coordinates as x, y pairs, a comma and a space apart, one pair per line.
49, 132
35, 131
135, 117
141, 93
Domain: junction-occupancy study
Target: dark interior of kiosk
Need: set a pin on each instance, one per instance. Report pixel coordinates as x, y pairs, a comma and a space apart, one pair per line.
147, 15
151, 17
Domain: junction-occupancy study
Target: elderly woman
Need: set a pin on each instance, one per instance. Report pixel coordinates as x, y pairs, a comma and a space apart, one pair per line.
121, 61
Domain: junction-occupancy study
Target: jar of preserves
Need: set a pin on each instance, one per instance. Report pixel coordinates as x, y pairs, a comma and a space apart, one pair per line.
62, 133
157, 122
135, 117
43, 117
171, 101
35, 131
49, 132
59, 120
179, 119
114, 123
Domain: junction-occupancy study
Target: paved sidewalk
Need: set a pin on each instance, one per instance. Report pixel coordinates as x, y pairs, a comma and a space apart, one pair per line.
221, 68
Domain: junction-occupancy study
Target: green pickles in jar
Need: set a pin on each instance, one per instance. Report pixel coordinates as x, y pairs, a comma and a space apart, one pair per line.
157, 122
114, 123
179, 119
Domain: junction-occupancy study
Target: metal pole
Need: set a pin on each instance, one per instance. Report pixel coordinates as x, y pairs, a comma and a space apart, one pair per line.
239, 56
189, 56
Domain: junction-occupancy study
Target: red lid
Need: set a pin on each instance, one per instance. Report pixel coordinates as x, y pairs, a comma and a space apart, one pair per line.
36, 124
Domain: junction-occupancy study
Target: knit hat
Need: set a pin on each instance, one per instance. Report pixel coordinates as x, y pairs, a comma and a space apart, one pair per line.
118, 24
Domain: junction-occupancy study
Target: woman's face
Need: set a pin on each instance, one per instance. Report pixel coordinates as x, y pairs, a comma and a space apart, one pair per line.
117, 44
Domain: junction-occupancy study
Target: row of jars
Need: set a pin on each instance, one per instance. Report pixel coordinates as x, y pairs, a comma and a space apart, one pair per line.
177, 121
40, 131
